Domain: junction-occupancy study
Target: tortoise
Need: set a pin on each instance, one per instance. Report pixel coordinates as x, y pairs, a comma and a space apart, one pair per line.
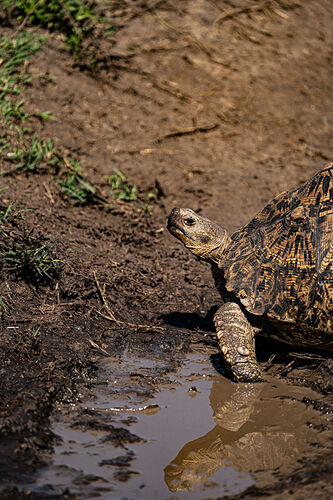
275, 274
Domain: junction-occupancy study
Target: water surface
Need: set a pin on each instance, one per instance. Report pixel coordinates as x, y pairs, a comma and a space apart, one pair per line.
201, 434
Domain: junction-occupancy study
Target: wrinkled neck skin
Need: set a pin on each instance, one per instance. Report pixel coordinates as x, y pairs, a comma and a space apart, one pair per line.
212, 254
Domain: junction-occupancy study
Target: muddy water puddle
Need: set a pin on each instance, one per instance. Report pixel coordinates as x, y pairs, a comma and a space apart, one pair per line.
154, 433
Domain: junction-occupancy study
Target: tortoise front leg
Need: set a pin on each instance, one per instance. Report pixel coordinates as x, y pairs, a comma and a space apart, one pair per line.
236, 342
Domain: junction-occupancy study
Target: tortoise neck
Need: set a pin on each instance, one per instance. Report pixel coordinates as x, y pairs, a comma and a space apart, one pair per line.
214, 254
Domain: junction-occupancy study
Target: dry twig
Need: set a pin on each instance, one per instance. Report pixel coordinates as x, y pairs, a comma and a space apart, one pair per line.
306, 355
24, 22
96, 346
111, 317
48, 192
166, 88
187, 131
234, 12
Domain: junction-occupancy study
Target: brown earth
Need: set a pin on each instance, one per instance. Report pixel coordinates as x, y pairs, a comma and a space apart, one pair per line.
214, 105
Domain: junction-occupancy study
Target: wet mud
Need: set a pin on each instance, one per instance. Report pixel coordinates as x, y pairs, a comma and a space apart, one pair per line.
195, 435
213, 105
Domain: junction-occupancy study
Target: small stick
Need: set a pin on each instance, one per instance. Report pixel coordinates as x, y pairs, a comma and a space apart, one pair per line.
96, 346
290, 367
111, 317
187, 131
269, 362
11, 171
166, 88
241, 10
24, 22
48, 192
69, 16
126, 324
306, 355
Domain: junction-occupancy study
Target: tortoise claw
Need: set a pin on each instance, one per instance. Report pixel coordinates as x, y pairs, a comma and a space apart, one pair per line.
246, 372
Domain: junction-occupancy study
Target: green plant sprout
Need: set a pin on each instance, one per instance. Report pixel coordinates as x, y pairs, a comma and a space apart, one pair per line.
35, 332
120, 188
46, 115
10, 215
3, 305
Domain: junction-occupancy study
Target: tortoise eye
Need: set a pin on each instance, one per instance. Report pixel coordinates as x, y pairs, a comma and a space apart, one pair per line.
189, 221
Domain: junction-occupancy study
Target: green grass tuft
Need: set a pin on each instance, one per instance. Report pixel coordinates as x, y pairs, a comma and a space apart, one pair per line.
13, 53
39, 154
30, 258
22, 253
76, 19
76, 189
13, 111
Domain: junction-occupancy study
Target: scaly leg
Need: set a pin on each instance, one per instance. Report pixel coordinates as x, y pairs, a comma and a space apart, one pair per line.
236, 342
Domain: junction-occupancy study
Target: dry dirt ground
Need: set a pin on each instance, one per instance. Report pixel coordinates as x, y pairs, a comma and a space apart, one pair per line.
211, 104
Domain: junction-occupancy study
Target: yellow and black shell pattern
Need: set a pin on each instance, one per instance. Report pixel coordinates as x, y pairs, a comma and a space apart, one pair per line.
281, 264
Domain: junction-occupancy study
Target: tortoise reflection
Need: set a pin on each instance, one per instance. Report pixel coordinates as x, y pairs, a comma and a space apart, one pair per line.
256, 429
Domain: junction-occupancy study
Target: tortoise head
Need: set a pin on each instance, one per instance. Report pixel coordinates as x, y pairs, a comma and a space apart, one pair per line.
201, 236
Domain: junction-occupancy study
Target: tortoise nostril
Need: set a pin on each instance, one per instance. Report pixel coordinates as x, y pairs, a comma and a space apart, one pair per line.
174, 215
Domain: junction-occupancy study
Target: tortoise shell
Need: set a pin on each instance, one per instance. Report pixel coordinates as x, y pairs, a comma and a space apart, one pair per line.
281, 263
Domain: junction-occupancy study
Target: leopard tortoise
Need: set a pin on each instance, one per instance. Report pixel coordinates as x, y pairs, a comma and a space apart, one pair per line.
275, 275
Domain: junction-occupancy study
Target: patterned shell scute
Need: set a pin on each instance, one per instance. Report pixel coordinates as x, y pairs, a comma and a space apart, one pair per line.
281, 263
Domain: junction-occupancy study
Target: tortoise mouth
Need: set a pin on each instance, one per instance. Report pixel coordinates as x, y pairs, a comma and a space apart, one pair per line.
176, 230
176, 225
